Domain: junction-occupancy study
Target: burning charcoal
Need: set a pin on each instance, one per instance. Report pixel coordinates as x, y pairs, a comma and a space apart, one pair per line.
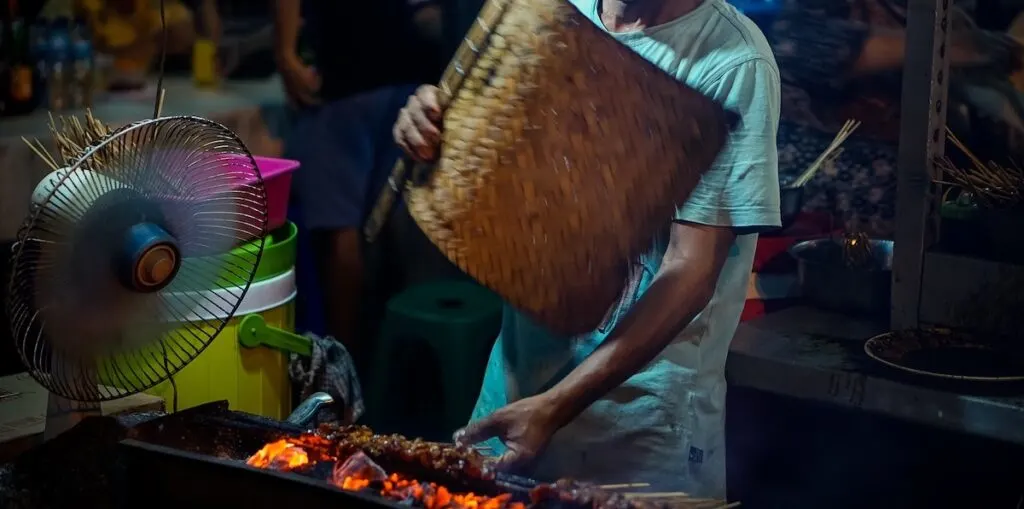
280, 455
357, 469
427, 475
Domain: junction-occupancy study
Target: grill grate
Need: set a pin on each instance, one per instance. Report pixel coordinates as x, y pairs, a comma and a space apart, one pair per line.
167, 478
196, 459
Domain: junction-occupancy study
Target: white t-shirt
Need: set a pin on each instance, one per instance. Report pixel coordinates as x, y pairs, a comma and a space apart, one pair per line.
665, 425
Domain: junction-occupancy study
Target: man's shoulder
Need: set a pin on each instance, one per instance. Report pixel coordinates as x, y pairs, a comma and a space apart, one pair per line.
730, 40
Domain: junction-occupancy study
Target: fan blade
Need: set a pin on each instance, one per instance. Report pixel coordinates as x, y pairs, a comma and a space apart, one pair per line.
135, 257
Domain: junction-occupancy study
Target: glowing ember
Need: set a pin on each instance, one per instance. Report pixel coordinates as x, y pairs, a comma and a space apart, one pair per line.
280, 455
360, 473
430, 495
347, 456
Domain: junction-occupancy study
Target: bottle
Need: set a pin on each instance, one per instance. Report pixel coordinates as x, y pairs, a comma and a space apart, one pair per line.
6, 51
82, 67
20, 96
204, 63
57, 67
39, 50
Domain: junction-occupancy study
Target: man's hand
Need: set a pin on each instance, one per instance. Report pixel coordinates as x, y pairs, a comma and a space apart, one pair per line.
418, 128
301, 82
525, 427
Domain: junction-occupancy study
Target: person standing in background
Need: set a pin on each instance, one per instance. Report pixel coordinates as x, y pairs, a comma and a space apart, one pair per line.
368, 57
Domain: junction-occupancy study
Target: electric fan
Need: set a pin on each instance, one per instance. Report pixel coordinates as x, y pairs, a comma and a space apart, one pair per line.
110, 277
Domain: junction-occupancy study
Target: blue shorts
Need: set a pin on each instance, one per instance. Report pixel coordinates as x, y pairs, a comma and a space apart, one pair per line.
347, 152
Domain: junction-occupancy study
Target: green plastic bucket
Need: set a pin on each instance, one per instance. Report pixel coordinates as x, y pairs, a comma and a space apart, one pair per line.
224, 271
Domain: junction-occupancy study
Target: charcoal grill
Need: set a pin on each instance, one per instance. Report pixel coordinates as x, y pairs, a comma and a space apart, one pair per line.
196, 459
166, 477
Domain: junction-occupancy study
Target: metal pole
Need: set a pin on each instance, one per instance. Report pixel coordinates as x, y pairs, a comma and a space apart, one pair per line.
922, 139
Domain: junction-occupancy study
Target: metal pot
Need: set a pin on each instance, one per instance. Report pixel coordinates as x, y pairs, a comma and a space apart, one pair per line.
825, 280
791, 202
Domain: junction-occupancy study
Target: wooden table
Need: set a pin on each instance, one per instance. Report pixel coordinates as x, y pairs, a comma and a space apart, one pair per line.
23, 412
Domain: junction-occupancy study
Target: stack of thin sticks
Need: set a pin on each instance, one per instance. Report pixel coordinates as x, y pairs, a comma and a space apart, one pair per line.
992, 185
674, 499
72, 137
830, 154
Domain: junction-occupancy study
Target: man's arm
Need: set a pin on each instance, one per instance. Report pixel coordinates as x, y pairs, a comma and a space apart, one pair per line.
739, 195
681, 289
210, 24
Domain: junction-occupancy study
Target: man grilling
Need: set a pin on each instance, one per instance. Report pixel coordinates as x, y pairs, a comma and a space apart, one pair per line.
642, 398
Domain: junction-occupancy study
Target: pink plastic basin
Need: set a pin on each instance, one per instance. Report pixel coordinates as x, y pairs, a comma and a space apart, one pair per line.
277, 180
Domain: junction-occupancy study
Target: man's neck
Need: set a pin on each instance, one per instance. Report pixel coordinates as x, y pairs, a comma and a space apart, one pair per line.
632, 15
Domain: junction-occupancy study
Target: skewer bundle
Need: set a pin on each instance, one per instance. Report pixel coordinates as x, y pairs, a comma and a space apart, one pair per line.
563, 154
72, 137
830, 153
681, 501
991, 184
672, 500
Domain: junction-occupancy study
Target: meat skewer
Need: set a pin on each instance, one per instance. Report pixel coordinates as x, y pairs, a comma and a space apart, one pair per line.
457, 465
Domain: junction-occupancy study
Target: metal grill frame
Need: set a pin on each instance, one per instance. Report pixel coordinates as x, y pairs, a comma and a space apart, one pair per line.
163, 477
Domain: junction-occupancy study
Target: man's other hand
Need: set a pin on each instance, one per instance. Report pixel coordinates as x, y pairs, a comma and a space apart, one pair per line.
301, 81
525, 427
418, 128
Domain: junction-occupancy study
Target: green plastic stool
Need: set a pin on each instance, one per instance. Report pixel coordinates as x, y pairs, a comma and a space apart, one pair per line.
430, 359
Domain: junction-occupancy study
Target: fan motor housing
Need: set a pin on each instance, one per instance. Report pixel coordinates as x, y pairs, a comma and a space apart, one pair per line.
127, 232
151, 258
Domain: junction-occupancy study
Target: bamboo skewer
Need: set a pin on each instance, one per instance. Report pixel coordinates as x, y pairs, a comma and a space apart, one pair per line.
624, 486
682, 500
159, 102
71, 137
830, 153
992, 184
40, 150
664, 494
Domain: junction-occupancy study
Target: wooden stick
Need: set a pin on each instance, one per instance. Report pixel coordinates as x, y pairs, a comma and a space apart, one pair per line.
624, 486
50, 160
160, 102
830, 152
664, 494
41, 152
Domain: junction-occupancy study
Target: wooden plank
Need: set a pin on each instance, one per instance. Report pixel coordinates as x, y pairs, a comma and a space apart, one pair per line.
973, 294
922, 138
23, 412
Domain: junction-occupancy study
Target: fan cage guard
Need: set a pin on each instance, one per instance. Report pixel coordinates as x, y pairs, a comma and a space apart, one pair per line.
196, 169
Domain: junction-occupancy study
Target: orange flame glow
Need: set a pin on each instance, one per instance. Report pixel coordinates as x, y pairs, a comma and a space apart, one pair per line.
280, 455
287, 455
430, 495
